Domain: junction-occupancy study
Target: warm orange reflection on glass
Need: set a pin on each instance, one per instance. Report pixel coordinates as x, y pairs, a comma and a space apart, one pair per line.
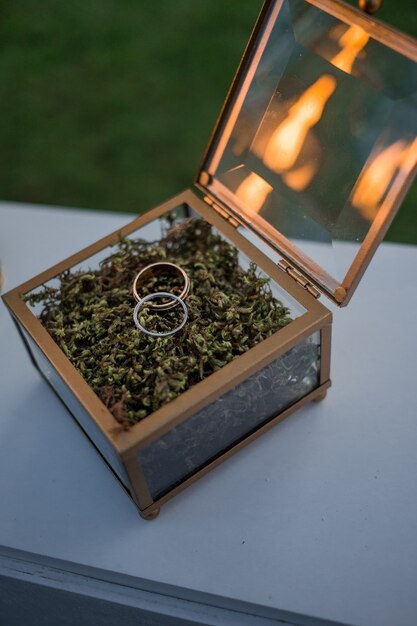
300, 178
378, 175
253, 191
352, 42
287, 141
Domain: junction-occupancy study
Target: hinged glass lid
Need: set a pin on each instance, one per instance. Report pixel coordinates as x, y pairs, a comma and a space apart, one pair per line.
317, 143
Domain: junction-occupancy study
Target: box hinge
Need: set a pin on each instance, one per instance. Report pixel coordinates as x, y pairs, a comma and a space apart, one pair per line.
221, 211
299, 278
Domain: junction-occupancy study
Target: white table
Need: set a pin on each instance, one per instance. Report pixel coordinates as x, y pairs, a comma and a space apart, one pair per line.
330, 535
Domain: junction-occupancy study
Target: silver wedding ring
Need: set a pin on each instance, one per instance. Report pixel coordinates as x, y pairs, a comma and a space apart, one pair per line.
152, 296
173, 299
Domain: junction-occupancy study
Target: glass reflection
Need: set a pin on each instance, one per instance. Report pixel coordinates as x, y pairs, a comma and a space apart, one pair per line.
253, 191
286, 144
353, 40
379, 174
324, 135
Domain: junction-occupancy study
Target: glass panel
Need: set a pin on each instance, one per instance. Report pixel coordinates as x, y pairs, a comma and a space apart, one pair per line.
322, 135
77, 410
88, 311
191, 445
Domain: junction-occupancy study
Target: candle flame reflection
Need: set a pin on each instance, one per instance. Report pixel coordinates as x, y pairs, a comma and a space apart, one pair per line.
287, 141
377, 176
352, 41
253, 191
300, 178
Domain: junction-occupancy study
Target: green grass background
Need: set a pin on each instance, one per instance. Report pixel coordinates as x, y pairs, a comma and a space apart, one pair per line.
109, 104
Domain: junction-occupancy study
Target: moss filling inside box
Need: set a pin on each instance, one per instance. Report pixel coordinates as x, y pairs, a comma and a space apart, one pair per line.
89, 315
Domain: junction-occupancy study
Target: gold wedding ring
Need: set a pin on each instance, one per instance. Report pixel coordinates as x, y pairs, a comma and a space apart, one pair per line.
156, 268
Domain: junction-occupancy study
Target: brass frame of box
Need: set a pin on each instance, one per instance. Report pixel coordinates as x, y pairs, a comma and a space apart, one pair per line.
341, 293
128, 443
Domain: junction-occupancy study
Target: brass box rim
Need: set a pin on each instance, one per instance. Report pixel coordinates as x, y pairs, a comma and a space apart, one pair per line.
126, 443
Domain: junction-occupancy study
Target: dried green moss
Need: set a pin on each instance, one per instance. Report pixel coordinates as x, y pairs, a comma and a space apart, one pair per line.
89, 315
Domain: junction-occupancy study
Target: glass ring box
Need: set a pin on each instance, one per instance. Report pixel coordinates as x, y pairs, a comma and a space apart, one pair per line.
310, 159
